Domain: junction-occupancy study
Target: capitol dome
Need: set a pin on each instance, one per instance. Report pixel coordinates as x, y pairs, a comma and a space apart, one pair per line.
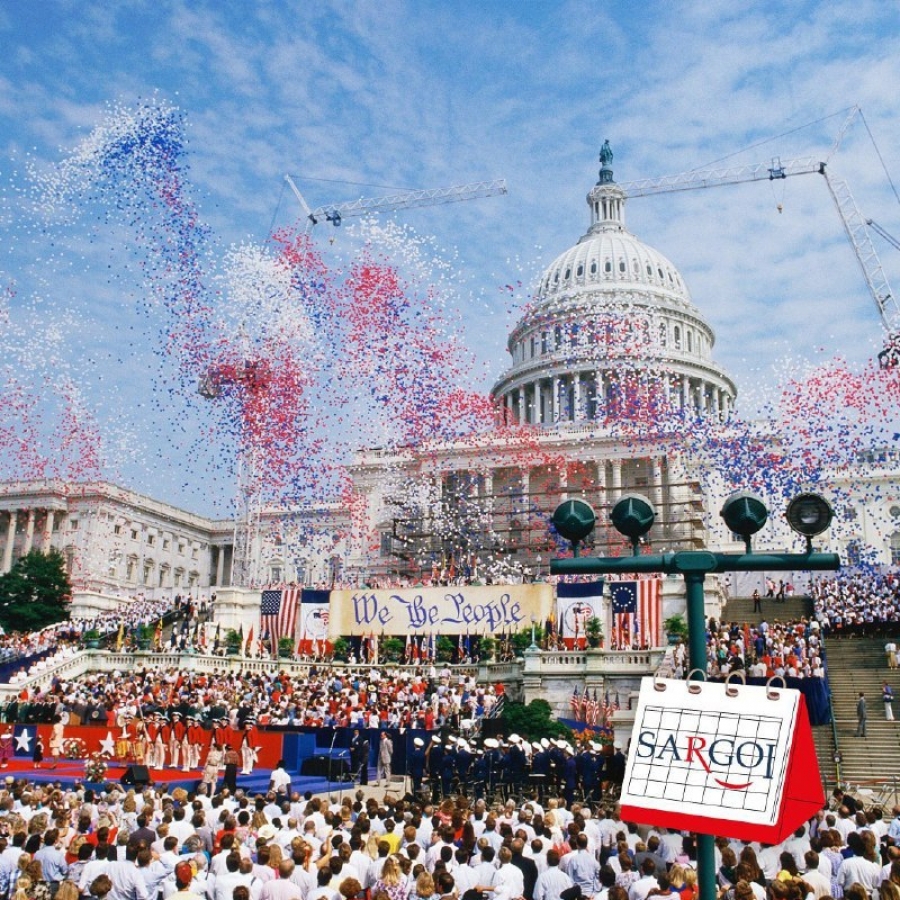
611, 326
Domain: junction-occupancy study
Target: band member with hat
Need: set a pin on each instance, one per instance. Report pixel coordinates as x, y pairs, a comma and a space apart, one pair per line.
177, 732
416, 764
248, 751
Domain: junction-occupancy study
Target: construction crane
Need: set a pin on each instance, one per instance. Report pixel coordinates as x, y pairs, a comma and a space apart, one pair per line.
335, 213
855, 226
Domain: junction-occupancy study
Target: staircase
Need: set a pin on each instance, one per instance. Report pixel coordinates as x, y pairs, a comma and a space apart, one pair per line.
740, 610
854, 665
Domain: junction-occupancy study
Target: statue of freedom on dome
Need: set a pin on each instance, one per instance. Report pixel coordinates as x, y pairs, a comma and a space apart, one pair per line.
606, 154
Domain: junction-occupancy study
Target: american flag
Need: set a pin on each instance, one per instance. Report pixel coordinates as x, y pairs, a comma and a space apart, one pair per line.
278, 612
637, 612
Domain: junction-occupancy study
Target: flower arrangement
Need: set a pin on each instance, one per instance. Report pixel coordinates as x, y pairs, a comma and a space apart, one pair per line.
95, 767
74, 748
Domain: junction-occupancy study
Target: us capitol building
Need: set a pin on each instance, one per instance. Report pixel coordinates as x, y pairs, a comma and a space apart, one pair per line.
610, 335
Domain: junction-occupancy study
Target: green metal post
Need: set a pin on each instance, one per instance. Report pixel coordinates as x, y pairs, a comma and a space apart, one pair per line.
697, 655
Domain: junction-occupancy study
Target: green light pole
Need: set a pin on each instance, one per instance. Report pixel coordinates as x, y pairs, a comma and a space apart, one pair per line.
633, 516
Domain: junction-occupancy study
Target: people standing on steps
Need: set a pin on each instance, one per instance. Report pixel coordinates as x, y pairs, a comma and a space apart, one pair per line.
887, 695
861, 715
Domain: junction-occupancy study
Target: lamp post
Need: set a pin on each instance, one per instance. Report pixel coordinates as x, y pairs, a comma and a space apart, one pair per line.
744, 514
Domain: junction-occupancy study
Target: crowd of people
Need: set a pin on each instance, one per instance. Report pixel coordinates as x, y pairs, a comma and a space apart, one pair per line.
324, 697
790, 649
226, 845
858, 602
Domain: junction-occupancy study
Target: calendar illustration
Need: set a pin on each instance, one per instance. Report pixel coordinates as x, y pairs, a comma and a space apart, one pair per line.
719, 755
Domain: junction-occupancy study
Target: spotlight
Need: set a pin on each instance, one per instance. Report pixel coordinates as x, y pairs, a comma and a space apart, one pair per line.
574, 520
633, 516
744, 513
809, 515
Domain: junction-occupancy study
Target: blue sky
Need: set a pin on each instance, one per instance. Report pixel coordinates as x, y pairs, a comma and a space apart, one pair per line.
425, 94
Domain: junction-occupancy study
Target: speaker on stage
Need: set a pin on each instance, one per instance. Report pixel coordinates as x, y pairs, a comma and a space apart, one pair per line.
136, 775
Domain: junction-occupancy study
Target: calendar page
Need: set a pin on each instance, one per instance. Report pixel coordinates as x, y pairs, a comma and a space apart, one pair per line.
710, 754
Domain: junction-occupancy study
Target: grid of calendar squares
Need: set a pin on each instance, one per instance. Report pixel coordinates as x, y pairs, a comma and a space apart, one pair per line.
671, 779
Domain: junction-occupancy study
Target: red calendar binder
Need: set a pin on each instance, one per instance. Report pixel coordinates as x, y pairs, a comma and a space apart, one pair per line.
723, 759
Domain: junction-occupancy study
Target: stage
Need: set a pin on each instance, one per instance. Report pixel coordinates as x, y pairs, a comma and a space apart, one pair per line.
68, 772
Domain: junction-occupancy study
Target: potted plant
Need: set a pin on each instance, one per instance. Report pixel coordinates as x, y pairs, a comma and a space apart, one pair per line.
391, 649
285, 647
676, 628
92, 639
594, 631
341, 650
145, 635
232, 642
487, 646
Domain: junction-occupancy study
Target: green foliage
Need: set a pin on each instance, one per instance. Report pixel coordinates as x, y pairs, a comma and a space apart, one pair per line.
233, 640
521, 640
444, 649
285, 645
391, 649
341, 649
676, 626
35, 592
485, 647
533, 721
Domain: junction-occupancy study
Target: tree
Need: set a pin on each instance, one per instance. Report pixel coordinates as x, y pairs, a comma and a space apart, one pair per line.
35, 592
533, 722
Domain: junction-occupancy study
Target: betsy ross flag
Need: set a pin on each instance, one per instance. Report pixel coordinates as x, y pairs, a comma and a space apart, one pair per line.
637, 612
278, 612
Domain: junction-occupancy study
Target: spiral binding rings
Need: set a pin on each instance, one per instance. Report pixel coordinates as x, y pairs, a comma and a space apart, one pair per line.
771, 693
694, 686
733, 691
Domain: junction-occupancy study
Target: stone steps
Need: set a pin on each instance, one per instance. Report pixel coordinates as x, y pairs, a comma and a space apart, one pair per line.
854, 665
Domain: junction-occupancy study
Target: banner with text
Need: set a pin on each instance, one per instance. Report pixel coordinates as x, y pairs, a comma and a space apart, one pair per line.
482, 609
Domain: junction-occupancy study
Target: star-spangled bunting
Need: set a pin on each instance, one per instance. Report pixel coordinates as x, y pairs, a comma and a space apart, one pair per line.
108, 744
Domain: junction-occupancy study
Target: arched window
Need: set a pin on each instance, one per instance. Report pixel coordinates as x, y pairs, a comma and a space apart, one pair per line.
690, 342
607, 267
663, 334
676, 335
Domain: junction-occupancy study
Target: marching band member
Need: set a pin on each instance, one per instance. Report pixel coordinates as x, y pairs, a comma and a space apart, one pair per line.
195, 742
248, 751
186, 742
176, 736
163, 735
152, 734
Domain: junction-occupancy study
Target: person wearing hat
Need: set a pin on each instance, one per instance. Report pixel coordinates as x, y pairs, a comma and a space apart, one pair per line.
416, 764
195, 741
435, 753
463, 764
248, 750
177, 732
615, 767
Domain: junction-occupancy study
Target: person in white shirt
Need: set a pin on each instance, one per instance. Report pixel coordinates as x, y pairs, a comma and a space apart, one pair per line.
817, 881
508, 882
